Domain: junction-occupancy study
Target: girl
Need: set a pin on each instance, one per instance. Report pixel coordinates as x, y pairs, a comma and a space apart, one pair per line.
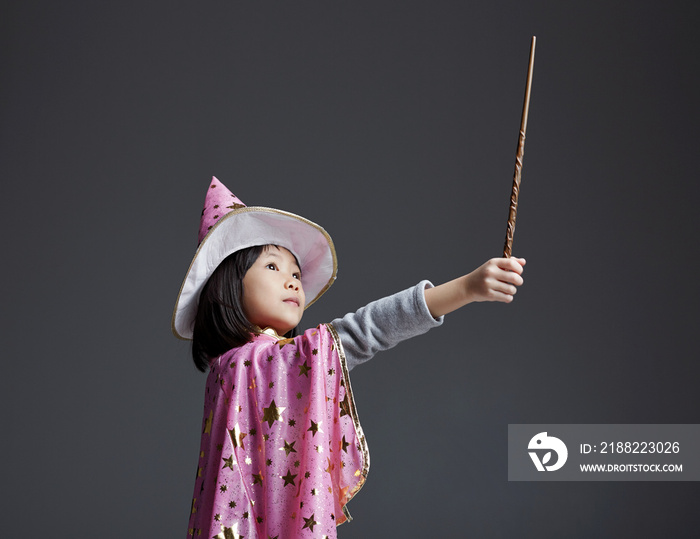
282, 449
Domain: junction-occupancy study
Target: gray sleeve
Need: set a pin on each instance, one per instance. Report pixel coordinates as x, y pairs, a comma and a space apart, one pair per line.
384, 323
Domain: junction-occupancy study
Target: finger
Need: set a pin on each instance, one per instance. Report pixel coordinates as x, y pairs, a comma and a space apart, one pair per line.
501, 297
510, 264
509, 277
504, 288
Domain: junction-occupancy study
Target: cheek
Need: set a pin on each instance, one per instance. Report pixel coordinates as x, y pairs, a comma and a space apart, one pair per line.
248, 299
245, 305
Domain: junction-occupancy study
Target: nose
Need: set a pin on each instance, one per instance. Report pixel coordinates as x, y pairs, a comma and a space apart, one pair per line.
292, 283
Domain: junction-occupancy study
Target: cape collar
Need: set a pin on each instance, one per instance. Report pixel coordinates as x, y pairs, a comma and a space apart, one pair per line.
269, 333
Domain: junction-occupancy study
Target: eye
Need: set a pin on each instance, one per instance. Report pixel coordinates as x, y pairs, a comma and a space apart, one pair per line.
271, 266
297, 275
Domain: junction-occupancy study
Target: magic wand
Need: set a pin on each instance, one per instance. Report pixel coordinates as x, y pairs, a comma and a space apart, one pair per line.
515, 191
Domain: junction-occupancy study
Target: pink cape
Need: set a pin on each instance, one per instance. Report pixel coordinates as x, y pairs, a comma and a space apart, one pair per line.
282, 448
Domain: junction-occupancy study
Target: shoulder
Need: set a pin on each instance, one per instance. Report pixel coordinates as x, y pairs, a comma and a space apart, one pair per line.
320, 337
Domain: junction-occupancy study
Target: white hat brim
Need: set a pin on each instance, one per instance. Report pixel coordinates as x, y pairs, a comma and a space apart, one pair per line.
248, 227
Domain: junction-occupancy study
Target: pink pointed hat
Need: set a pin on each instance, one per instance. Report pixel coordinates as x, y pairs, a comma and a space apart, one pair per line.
228, 225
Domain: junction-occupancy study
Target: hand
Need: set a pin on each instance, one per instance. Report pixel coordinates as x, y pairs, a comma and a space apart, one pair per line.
496, 280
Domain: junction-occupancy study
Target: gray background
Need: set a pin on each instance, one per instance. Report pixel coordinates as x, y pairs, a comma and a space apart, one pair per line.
394, 125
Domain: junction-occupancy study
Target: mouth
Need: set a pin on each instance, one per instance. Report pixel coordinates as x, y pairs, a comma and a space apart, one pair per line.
293, 301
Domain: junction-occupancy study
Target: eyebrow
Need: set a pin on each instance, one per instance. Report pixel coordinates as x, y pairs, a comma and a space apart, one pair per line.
270, 252
276, 254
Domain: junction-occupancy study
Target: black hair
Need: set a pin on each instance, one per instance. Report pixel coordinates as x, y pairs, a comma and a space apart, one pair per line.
220, 323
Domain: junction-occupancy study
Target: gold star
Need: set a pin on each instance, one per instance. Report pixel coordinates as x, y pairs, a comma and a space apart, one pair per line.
315, 427
304, 369
314, 491
331, 466
217, 517
288, 448
331, 372
314, 351
228, 463
344, 444
237, 436
310, 522
194, 506
272, 413
223, 488
345, 406
208, 422
289, 478
257, 478
228, 533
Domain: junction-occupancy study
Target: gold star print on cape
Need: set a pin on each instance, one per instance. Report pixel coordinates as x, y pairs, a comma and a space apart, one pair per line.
282, 448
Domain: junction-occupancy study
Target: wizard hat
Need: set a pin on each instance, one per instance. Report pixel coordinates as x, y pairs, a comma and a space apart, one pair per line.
228, 225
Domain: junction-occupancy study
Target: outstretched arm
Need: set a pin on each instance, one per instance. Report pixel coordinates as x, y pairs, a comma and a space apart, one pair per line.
384, 323
496, 280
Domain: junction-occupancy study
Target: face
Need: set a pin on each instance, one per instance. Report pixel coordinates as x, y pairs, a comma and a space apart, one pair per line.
272, 292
